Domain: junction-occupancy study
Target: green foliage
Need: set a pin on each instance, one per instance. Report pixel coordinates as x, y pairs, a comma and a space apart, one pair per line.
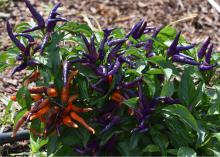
188, 127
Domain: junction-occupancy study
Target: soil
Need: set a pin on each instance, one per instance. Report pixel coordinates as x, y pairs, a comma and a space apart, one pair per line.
195, 18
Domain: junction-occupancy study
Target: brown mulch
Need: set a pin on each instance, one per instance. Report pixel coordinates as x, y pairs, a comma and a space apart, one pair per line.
201, 20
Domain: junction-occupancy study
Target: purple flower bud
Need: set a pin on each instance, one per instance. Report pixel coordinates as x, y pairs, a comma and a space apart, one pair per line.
37, 16
18, 44
204, 67
203, 49
181, 59
209, 54
172, 49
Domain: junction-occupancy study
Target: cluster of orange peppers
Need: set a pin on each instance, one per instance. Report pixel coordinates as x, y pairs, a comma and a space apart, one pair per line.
48, 112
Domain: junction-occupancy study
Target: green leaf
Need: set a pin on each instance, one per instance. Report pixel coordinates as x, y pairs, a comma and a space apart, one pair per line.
83, 87
167, 89
65, 151
23, 97
19, 115
74, 28
159, 139
183, 114
186, 152
53, 144
186, 88
215, 106
151, 148
168, 73
132, 102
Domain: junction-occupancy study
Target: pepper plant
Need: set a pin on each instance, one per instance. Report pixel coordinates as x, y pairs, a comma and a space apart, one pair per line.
144, 92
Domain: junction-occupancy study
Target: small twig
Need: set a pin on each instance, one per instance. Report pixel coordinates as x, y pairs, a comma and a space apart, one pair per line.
184, 19
214, 5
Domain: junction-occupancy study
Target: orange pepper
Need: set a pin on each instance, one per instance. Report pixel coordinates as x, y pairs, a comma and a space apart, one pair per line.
71, 76
13, 98
116, 96
110, 77
81, 121
37, 90
65, 94
36, 97
52, 92
40, 105
19, 123
41, 112
34, 76
72, 107
68, 122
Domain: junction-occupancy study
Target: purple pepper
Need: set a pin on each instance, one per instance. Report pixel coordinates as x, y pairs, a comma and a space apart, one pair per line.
172, 49
132, 83
114, 121
203, 49
86, 42
90, 57
204, 67
209, 54
51, 23
18, 68
19, 57
116, 41
101, 70
66, 66
140, 95
181, 59
135, 28
137, 34
92, 49
149, 45
36, 15
151, 54
53, 12
45, 41
126, 60
186, 56
28, 36
114, 50
115, 67
101, 51
183, 48
32, 62
18, 44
